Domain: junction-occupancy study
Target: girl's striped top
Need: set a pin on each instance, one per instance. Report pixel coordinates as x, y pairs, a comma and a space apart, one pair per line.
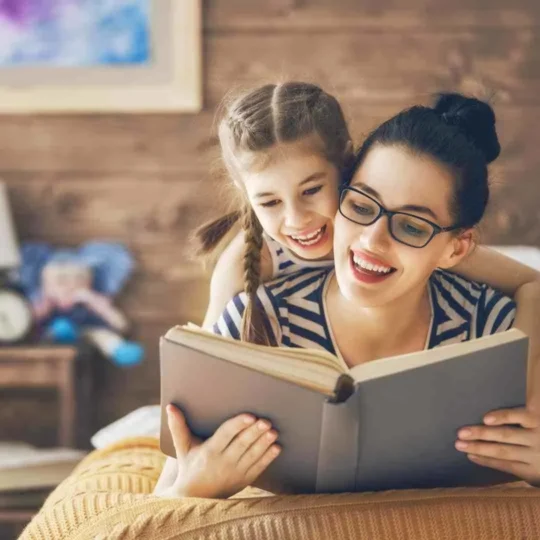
285, 261
295, 310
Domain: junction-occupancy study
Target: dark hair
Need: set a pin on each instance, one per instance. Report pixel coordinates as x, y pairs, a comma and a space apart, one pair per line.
251, 126
458, 132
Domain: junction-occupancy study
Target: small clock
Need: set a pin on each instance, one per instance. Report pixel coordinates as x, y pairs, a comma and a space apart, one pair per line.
15, 316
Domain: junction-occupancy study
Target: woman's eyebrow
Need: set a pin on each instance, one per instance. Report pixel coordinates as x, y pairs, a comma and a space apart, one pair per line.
310, 178
421, 209
405, 208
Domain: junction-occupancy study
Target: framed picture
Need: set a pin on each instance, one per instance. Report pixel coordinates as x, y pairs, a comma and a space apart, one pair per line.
100, 56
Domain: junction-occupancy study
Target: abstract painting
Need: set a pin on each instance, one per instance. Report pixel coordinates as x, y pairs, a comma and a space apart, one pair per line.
100, 56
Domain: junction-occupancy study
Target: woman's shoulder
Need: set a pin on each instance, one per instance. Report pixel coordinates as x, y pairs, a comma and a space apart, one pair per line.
475, 307
462, 290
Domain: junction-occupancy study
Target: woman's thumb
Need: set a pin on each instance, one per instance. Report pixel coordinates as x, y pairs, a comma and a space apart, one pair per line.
181, 435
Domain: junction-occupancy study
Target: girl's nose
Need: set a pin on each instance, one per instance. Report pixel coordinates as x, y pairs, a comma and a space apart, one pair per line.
297, 217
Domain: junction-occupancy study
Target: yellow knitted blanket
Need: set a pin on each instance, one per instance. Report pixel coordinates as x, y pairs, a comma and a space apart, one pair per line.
107, 497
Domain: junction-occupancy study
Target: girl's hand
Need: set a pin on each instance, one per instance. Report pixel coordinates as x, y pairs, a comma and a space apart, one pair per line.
509, 441
238, 452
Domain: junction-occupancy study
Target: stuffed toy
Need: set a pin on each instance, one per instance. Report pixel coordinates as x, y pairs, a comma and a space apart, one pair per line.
71, 293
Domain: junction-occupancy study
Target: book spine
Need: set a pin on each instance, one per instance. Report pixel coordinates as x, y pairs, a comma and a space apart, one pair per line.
338, 449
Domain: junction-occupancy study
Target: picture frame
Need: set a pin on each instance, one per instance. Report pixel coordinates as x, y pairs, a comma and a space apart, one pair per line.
169, 82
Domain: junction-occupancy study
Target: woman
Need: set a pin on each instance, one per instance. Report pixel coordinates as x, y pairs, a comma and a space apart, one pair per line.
418, 187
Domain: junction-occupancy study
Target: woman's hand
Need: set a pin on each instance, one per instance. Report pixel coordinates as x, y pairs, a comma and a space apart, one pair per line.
508, 441
238, 452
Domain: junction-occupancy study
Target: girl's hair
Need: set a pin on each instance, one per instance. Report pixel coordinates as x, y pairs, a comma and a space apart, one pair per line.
251, 126
458, 132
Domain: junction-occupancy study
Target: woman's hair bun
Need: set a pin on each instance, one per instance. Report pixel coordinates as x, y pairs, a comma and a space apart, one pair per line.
474, 118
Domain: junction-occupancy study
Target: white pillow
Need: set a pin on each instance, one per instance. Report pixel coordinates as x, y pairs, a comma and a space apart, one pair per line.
142, 422
528, 255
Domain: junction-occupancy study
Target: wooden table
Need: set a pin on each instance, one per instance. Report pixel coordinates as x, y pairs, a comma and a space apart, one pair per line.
41, 367
44, 367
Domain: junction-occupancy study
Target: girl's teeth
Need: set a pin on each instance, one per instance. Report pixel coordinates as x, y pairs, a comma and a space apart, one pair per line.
309, 239
371, 267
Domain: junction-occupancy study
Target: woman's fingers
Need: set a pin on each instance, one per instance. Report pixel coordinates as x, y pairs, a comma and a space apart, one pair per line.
501, 434
244, 441
225, 433
502, 452
180, 433
262, 463
518, 416
257, 450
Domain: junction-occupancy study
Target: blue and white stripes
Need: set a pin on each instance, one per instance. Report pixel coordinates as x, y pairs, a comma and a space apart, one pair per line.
294, 306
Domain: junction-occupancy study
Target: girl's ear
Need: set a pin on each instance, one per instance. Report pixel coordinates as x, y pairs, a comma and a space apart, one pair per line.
460, 246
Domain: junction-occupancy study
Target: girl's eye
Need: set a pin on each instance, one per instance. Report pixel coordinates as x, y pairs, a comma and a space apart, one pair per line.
270, 204
312, 191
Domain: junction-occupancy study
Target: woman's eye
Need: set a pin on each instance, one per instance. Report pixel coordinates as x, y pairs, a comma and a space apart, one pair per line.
363, 210
270, 204
312, 191
412, 230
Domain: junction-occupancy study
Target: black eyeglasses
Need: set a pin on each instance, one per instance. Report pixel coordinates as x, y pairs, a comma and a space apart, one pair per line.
413, 231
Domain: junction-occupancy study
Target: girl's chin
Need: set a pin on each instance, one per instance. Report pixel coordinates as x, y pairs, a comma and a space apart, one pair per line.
319, 248
325, 252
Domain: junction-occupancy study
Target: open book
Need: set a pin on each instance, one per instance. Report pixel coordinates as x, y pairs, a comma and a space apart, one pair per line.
385, 424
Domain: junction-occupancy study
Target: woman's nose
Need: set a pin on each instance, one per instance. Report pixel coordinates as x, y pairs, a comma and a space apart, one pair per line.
376, 237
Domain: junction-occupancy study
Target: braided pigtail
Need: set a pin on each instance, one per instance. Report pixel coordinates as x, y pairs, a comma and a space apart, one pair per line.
209, 235
254, 328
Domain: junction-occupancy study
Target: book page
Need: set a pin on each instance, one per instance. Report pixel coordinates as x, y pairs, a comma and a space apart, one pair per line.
397, 364
312, 368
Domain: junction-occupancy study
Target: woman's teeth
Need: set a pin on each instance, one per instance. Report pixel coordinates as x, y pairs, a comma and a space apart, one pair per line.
309, 239
371, 267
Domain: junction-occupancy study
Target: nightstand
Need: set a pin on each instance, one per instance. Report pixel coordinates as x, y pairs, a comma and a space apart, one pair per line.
44, 367
65, 369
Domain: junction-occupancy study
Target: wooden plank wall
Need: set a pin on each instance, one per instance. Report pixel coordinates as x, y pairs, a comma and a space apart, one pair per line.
148, 180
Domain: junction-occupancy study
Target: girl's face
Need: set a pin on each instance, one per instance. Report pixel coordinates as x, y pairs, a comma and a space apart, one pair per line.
295, 196
374, 269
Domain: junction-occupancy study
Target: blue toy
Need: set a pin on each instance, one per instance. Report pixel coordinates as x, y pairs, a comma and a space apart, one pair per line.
71, 291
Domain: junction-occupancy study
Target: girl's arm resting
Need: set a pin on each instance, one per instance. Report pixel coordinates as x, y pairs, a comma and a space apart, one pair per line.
500, 272
228, 278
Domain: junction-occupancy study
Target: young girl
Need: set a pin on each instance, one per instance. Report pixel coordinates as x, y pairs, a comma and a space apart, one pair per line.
287, 147
418, 188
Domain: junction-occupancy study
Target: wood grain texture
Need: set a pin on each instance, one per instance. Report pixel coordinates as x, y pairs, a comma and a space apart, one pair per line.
141, 210
348, 15
104, 143
382, 66
100, 151
147, 180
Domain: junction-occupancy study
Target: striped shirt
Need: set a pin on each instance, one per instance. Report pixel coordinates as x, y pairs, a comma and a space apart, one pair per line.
461, 310
285, 261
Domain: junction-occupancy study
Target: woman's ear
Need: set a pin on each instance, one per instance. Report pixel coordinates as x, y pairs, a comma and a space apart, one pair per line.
460, 246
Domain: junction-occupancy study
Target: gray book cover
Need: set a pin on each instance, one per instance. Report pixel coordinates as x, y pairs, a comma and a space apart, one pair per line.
406, 423
209, 391
389, 432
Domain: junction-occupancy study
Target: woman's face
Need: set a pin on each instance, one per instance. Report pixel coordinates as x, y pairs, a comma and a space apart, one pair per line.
372, 268
295, 197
